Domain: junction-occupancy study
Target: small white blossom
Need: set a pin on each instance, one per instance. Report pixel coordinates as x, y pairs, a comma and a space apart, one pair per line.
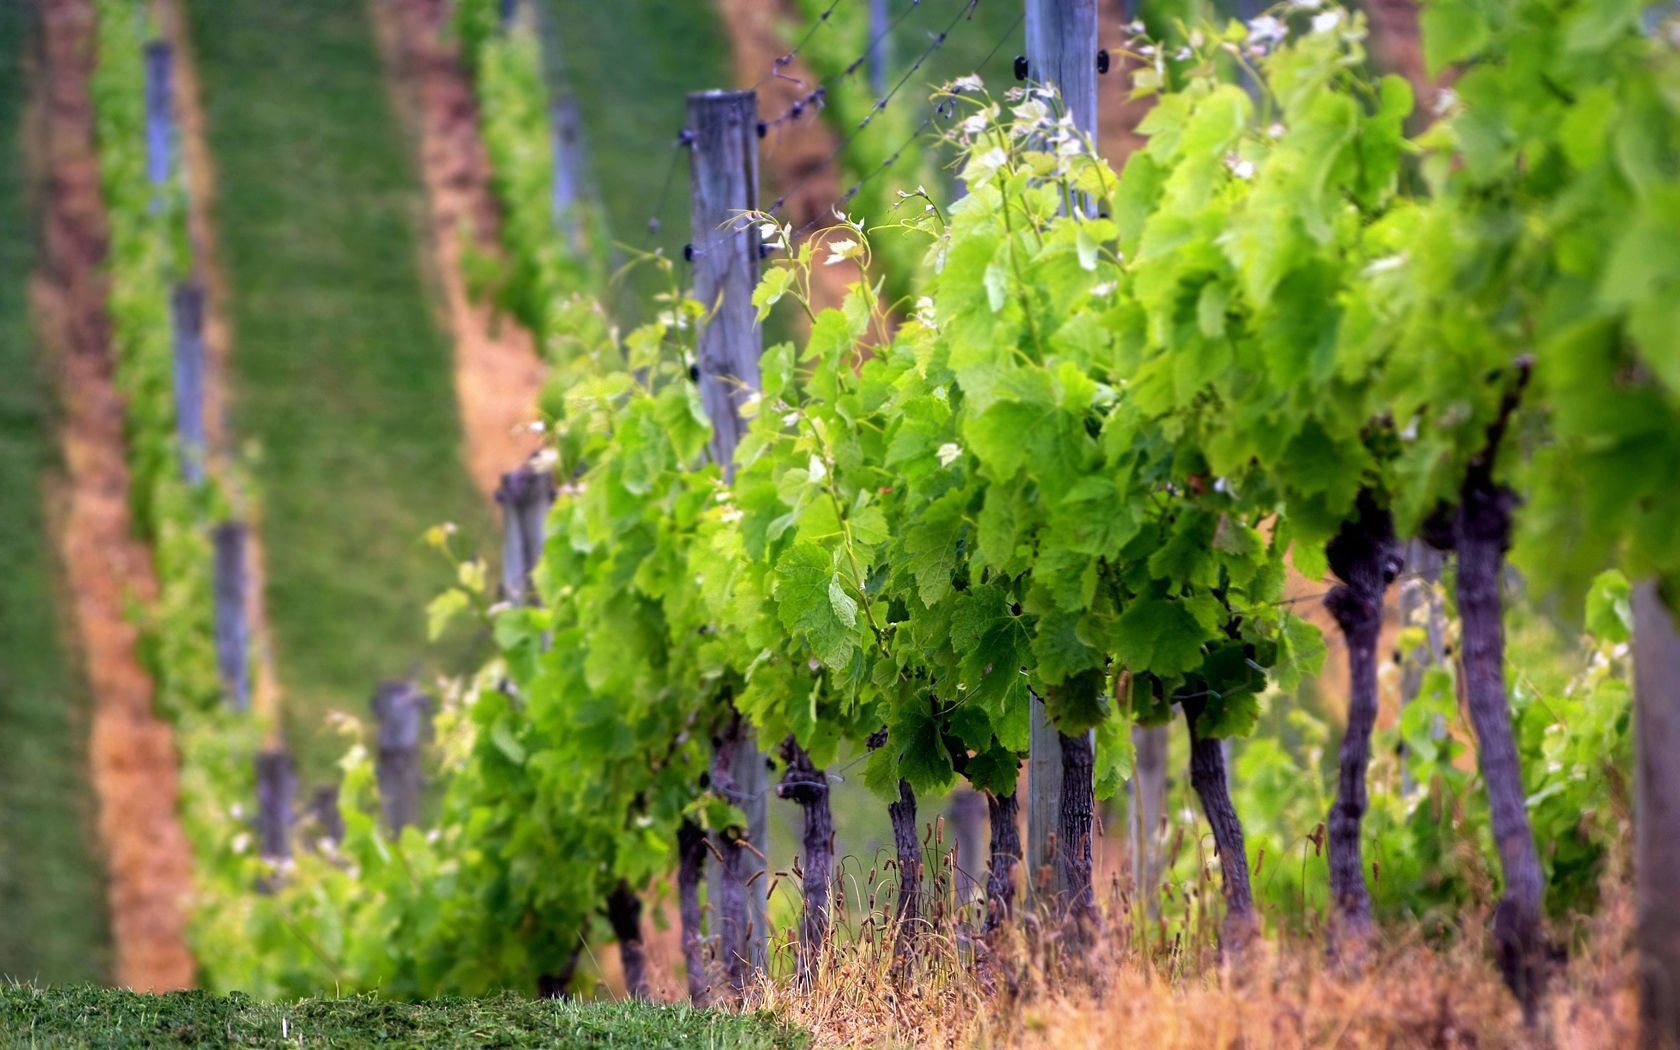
545, 459
731, 515
974, 124
241, 842
1241, 168
846, 220
1305, 5
1183, 54
1327, 21
841, 250
1445, 99
1104, 289
926, 315
949, 453
773, 236
537, 426
791, 419
1266, 29
1275, 131
1385, 264
972, 82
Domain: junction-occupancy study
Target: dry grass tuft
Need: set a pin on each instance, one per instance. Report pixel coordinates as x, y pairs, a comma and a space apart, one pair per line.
1279, 993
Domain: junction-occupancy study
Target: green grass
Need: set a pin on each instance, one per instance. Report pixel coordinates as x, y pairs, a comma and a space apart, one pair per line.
341, 372
631, 64
52, 911
33, 1017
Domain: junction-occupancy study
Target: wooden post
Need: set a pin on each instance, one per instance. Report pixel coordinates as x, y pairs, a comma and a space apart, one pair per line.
329, 819
880, 46
187, 321
160, 124
966, 813
566, 132
723, 185
1148, 791
232, 628
276, 793
1418, 601
1061, 53
403, 713
525, 496
1656, 662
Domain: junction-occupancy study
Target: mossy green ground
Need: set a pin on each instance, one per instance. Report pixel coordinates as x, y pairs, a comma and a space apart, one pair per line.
52, 915
85, 1016
342, 371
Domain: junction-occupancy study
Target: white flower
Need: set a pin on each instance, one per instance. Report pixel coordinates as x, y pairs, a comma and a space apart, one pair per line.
1104, 289
537, 426
973, 124
1266, 29
241, 842
1032, 111
545, 459
1305, 5
846, 220
1242, 169
1385, 264
972, 82
773, 236
731, 515
949, 453
926, 315
1183, 55
1275, 131
841, 250
1445, 99
1327, 21
1146, 50
1137, 26
791, 419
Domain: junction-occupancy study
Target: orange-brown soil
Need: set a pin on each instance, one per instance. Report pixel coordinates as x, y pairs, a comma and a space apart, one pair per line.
132, 755
498, 374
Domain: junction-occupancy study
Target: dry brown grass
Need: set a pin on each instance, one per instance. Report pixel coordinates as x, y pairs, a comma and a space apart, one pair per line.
1280, 993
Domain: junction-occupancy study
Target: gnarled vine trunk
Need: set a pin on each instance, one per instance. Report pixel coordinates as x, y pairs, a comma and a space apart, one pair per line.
734, 933
1365, 556
1481, 534
1004, 811
1207, 777
1076, 813
691, 868
554, 985
808, 786
624, 914
909, 849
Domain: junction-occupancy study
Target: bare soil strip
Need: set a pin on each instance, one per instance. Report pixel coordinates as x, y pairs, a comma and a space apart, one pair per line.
218, 340
498, 374
132, 755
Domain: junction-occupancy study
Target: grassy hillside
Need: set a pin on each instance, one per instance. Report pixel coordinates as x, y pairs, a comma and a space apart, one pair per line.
52, 911
341, 371
631, 64
99, 1017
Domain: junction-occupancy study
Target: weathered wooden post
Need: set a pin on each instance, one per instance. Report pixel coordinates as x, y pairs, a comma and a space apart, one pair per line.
880, 46
403, 713
1148, 790
966, 813
525, 496
187, 321
276, 793
566, 134
1418, 601
232, 626
329, 819
1656, 854
723, 185
1061, 53
160, 121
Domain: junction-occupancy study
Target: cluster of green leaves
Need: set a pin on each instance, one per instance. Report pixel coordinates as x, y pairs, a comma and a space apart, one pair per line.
148, 253
548, 257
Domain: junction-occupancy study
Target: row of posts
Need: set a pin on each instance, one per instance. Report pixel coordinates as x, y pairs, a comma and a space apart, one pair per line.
401, 709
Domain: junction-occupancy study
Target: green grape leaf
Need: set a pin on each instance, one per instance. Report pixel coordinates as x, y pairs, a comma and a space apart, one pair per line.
814, 604
1159, 636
